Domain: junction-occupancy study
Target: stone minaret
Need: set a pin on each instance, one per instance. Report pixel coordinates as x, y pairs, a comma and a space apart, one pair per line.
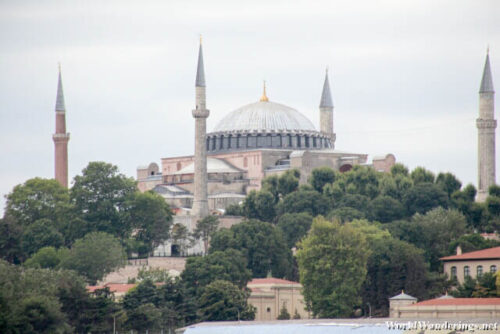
61, 138
200, 114
326, 111
486, 125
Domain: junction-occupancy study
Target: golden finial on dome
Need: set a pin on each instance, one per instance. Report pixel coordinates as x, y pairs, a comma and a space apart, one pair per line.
264, 96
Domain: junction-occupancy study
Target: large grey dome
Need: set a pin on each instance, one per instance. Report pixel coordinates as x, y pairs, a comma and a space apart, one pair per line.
266, 125
264, 116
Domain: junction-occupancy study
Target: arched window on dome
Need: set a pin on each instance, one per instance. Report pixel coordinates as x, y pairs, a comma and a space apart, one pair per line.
213, 143
221, 142
208, 144
314, 142
299, 141
306, 141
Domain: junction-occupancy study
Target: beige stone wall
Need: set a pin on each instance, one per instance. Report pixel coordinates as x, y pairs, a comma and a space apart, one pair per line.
395, 305
384, 164
270, 300
448, 312
473, 264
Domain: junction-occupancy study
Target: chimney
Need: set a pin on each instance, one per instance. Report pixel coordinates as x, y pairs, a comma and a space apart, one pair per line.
459, 250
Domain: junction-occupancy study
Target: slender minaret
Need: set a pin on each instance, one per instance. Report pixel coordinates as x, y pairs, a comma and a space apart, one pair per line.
61, 138
486, 125
200, 114
326, 111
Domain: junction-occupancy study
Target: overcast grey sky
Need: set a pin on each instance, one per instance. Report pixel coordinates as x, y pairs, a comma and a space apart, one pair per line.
404, 76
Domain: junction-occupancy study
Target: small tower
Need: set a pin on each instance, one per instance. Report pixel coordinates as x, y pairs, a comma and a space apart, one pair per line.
326, 111
486, 125
200, 114
61, 138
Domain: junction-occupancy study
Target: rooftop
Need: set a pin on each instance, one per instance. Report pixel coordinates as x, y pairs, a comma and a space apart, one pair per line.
459, 301
489, 253
270, 280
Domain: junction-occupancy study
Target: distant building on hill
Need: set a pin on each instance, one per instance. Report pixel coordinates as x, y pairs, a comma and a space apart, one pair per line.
471, 264
270, 295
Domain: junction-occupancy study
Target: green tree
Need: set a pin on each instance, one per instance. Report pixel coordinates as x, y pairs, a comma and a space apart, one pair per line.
385, 209
284, 315
261, 243
224, 301
393, 265
332, 264
234, 210
38, 199
288, 182
294, 226
345, 214
151, 218
471, 242
422, 175
309, 201
424, 197
40, 314
10, 241
448, 182
144, 317
363, 180
40, 234
96, 255
204, 229
399, 169
320, 177
229, 265
259, 205
431, 232
179, 237
100, 196
46, 257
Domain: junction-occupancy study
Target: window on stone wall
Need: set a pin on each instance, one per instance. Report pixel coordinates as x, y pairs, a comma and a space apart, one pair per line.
268, 309
453, 272
245, 162
466, 271
493, 269
178, 166
479, 270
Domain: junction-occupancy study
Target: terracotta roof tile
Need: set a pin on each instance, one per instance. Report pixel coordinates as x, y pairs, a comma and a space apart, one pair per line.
489, 253
459, 301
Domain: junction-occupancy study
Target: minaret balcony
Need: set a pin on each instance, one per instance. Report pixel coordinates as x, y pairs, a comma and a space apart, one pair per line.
482, 123
60, 137
201, 113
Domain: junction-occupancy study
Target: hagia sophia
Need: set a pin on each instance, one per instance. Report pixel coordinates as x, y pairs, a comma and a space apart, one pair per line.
257, 140
254, 141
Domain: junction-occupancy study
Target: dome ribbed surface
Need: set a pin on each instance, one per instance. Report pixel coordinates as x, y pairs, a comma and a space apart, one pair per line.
263, 117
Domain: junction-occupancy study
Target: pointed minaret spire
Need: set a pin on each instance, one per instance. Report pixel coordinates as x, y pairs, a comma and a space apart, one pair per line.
60, 94
200, 114
486, 126
200, 71
60, 138
326, 96
487, 81
326, 115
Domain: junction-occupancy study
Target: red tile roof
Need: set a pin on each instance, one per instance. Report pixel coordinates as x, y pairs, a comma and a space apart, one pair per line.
459, 301
270, 280
489, 253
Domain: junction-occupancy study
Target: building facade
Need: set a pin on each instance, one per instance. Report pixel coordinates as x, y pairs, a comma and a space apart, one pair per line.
471, 264
270, 295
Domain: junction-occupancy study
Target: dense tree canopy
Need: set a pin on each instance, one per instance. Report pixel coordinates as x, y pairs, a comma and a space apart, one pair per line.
100, 195
96, 255
332, 263
261, 243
